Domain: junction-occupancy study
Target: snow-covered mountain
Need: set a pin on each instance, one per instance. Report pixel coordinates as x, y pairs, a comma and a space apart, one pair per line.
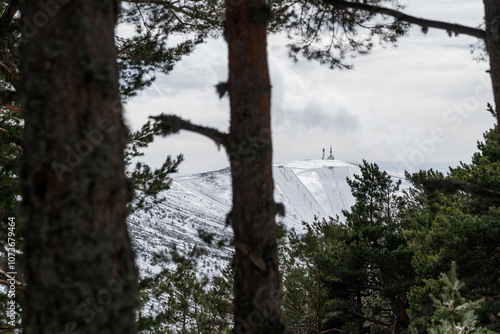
201, 201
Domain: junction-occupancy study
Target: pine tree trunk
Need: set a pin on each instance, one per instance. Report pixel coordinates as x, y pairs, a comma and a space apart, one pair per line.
257, 285
401, 307
359, 306
492, 19
80, 266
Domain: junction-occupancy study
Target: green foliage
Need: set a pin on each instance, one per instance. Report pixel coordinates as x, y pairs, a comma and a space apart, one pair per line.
378, 272
328, 34
189, 301
381, 260
454, 314
355, 275
9, 54
10, 154
148, 183
352, 277
164, 33
376, 203
461, 226
483, 171
316, 30
304, 259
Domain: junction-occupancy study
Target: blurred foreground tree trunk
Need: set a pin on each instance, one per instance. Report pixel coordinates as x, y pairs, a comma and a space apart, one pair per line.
80, 266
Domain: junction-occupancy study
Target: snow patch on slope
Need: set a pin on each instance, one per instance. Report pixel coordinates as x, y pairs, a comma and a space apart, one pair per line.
201, 201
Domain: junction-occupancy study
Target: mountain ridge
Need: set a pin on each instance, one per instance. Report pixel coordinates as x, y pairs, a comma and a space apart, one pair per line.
307, 189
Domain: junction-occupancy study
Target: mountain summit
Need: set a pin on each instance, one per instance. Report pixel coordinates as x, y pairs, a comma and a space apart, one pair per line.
201, 202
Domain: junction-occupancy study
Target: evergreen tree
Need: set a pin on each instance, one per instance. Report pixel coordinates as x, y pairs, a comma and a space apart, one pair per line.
143, 181
183, 299
10, 154
9, 55
376, 204
381, 259
246, 137
454, 314
354, 276
147, 184
306, 263
151, 48
462, 226
249, 147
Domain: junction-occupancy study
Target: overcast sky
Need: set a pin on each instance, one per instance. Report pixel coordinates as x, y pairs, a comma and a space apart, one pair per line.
420, 105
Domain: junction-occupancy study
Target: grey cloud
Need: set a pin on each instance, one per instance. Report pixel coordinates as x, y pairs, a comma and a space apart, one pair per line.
317, 116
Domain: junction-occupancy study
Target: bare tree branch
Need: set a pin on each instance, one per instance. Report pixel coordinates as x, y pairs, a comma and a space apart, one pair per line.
6, 277
9, 329
449, 27
13, 108
170, 124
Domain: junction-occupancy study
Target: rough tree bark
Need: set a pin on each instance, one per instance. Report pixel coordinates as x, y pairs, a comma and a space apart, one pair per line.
492, 19
257, 281
80, 271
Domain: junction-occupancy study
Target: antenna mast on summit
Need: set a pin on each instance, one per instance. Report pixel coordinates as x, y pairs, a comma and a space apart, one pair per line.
331, 153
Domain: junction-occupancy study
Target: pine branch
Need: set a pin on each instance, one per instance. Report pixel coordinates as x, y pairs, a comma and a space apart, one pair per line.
170, 124
449, 187
11, 10
11, 72
425, 24
186, 10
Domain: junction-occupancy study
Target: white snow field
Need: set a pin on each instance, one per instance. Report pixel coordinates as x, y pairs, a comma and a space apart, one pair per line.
201, 201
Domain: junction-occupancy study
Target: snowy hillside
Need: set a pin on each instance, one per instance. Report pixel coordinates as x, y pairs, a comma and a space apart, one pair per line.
201, 201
